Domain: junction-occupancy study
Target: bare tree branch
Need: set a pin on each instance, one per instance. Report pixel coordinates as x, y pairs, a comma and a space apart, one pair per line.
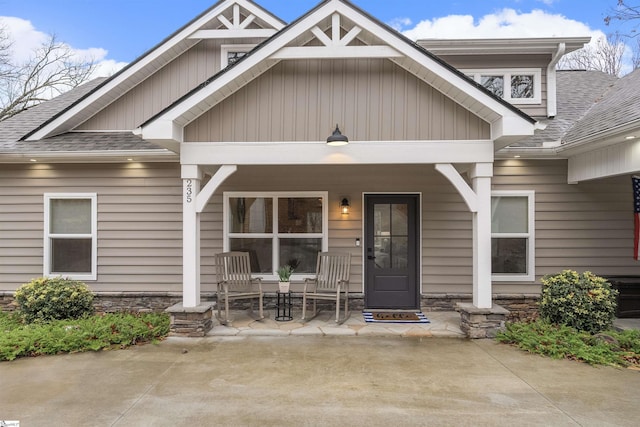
625, 12
52, 70
606, 56
635, 58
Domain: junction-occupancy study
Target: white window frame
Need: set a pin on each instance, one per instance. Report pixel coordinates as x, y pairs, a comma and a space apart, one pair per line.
226, 48
530, 275
93, 274
476, 75
275, 235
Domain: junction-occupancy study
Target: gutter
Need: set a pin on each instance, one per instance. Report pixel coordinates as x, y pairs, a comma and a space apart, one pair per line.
102, 156
552, 104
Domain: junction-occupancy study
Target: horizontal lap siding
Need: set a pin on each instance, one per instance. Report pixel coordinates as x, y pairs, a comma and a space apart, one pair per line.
583, 226
446, 224
139, 222
586, 226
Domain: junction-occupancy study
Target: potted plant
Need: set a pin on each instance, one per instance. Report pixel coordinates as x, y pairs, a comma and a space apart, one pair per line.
284, 273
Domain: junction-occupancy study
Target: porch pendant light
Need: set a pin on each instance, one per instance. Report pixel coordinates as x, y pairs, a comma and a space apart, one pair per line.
337, 138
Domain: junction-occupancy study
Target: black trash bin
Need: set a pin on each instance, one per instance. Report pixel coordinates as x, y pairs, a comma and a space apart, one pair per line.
628, 295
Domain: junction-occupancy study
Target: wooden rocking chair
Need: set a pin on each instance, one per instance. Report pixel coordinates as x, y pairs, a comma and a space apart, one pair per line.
330, 284
235, 282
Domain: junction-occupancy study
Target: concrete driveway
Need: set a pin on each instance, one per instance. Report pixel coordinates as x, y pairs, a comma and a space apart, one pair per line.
316, 381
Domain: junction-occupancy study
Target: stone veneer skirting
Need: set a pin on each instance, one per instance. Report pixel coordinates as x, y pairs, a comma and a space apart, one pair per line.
196, 322
520, 306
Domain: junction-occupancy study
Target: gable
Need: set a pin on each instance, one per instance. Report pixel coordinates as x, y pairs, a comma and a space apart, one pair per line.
337, 30
238, 20
164, 87
371, 99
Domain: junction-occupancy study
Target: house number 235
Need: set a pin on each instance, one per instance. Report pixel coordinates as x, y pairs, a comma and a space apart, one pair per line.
189, 191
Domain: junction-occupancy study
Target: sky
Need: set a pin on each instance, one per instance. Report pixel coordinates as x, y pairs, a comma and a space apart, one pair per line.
115, 32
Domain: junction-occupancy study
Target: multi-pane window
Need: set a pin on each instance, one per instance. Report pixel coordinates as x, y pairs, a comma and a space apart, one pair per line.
70, 235
232, 56
517, 86
231, 53
277, 229
512, 241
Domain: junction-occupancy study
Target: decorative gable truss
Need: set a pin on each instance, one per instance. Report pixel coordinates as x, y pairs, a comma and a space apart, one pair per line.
333, 30
241, 23
239, 19
336, 45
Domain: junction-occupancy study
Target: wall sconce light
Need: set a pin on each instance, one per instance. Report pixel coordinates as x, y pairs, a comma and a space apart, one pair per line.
344, 206
337, 138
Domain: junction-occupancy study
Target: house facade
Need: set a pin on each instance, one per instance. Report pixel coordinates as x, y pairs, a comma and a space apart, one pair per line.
472, 167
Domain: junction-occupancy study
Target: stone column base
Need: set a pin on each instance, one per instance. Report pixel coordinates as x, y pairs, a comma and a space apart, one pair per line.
191, 321
481, 322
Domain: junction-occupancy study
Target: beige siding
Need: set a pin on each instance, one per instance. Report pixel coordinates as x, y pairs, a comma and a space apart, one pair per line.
371, 100
446, 243
586, 226
583, 226
139, 222
506, 62
163, 88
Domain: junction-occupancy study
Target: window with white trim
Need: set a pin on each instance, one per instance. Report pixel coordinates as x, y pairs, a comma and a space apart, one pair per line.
277, 229
233, 52
70, 235
518, 86
512, 236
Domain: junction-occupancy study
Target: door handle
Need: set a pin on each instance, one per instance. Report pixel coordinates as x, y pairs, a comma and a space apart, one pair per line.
370, 257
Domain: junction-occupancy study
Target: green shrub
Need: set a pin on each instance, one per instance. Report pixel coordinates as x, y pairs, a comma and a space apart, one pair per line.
584, 301
564, 342
45, 299
93, 333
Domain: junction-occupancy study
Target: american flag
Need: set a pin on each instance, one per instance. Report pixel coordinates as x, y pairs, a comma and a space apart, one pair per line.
636, 214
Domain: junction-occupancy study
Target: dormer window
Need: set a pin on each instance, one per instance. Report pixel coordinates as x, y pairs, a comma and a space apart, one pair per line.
518, 86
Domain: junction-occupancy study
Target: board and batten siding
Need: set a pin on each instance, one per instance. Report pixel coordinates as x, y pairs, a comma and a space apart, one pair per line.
164, 87
370, 99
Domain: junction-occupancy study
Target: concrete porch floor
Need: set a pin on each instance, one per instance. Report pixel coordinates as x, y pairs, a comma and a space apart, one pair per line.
444, 324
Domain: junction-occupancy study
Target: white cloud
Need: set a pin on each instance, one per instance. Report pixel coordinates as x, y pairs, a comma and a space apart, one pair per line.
25, 39
399, 23
506, 23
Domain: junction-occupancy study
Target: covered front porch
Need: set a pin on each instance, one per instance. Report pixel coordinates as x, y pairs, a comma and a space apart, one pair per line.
448, 227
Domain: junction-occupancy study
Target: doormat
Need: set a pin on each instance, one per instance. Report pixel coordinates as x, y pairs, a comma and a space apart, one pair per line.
395, 317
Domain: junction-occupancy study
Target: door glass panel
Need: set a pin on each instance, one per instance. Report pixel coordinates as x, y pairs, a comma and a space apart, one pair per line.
300, 215
399, 252
399, 221
250, 215
301, 254
260, 251
391, 228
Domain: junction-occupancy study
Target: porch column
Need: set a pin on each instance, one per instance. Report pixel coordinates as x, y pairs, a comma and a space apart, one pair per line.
480, 175
191, 177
